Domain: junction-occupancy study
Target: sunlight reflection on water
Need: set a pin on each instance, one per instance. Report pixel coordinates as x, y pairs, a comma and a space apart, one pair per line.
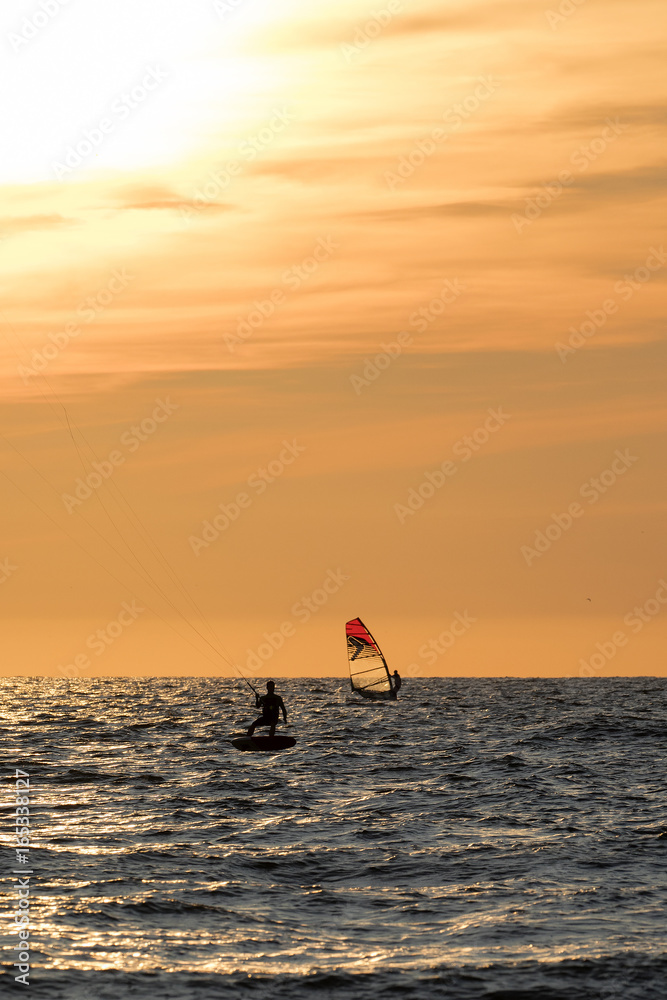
510, 833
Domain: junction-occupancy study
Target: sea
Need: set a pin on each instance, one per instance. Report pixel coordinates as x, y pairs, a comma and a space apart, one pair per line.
477, 838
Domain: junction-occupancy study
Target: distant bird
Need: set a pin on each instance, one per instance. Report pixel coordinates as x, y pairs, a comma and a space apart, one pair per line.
588, 598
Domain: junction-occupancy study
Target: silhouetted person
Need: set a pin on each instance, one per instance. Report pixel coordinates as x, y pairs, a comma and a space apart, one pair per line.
396, 683
271, 705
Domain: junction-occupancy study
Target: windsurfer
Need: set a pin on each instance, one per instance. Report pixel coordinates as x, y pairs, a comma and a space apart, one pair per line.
395, 683
271, 705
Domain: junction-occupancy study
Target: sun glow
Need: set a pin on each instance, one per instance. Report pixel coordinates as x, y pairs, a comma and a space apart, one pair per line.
215, 148
117, 86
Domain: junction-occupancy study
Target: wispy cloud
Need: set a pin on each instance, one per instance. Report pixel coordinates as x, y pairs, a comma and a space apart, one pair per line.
33, 223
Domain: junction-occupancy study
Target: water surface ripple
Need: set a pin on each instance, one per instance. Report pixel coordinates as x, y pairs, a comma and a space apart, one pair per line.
478, 838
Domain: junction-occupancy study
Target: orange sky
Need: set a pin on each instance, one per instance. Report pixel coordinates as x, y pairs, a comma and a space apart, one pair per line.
369, 254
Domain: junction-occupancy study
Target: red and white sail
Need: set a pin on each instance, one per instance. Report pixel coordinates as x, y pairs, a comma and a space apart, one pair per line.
369, 674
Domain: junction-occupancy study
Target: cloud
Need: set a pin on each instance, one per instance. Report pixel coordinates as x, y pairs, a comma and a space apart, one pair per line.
147, 198
415, 213
339, 27
640, 183
594, 116
483, 18
28, 223
307, 170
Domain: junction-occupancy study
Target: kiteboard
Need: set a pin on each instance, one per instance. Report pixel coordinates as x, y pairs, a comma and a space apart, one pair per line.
266, 744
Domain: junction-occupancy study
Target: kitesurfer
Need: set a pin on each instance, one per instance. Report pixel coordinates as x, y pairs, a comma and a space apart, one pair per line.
396, 683
271, 705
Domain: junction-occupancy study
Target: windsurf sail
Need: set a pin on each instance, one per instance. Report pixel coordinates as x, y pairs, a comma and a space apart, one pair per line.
369, 674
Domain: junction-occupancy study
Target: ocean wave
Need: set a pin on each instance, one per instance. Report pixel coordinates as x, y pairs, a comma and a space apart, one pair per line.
371, 860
